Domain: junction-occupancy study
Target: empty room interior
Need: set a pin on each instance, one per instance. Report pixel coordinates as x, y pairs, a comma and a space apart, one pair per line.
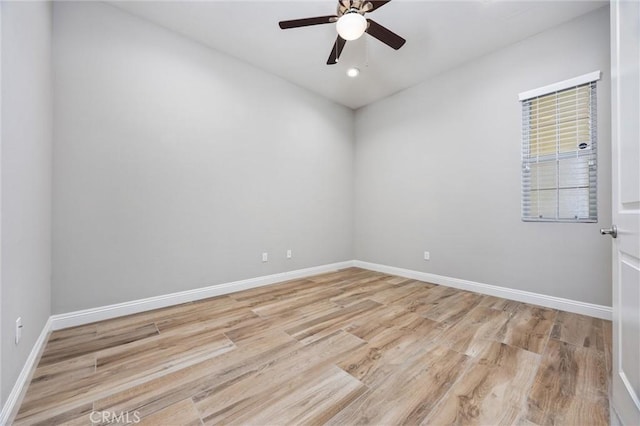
320, 212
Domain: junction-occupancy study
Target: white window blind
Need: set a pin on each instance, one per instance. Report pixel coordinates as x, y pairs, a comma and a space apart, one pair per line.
559, 155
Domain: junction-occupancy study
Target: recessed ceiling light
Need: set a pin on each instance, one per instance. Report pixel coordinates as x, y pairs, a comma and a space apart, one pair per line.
353, 72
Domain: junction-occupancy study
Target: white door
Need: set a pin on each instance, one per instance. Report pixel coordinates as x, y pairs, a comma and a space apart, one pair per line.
625, 78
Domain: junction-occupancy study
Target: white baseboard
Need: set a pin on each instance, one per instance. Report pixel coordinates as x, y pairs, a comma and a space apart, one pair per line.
11, 406
87, 316
590, 309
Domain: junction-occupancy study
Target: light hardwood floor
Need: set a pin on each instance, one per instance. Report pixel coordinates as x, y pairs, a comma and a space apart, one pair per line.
349, 347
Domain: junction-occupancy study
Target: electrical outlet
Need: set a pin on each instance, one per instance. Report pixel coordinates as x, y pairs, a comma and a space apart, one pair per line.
427, 256
265, 257
289, 254
18, 330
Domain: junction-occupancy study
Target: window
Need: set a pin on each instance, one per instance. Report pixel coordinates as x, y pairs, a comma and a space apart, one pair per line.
559, 152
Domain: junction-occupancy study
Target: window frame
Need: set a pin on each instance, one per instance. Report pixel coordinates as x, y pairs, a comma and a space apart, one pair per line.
590, 152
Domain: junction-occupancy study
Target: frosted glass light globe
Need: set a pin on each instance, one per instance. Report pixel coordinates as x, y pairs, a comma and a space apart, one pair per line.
351, 26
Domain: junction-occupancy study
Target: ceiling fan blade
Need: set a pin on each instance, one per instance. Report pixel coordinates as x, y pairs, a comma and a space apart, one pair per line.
374, 5
385, 35
336, 51
295, 23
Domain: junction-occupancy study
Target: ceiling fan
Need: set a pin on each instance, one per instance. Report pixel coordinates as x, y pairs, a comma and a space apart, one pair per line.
350, 24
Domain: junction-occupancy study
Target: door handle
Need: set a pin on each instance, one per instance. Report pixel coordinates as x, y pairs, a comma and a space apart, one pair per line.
613, 231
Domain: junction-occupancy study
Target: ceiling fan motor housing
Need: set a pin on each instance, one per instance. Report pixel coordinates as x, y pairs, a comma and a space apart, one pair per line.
353, 6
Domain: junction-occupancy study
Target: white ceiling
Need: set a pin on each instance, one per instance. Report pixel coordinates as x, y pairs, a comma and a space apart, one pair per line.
440, 35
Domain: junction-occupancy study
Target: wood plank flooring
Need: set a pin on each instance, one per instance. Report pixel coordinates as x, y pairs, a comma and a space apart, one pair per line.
348, 347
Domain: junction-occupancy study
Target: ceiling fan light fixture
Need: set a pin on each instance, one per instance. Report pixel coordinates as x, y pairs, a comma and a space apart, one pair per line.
353, 72
351, 26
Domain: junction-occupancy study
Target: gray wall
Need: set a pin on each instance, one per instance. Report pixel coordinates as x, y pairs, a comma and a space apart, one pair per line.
26, 179
175, 167
438, 169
